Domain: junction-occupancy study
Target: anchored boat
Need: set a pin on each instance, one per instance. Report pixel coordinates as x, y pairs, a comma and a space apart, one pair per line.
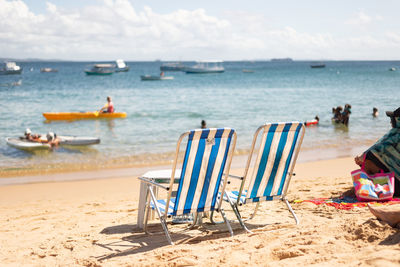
206, 66
10, 68
101, 69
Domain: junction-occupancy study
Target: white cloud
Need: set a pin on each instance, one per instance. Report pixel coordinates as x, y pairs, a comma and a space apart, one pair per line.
114, 29
363, 19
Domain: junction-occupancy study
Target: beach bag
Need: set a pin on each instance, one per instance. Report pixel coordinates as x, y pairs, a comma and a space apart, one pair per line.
377, 187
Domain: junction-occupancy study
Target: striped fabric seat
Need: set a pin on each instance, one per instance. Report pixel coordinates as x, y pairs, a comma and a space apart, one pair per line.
273, 168
206, 160
234, 195
161, 203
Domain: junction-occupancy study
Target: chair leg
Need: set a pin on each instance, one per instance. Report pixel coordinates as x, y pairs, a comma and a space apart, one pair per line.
227, 222
291, 210
162, 220
255, 211
147, 211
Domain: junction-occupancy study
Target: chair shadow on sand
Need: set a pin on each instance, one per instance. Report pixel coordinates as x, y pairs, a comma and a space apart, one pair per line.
138, 242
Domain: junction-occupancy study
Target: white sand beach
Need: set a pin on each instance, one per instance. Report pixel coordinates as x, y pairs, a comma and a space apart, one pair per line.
93, 223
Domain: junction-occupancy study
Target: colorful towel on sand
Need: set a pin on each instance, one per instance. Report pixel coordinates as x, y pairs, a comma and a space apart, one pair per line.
347, 203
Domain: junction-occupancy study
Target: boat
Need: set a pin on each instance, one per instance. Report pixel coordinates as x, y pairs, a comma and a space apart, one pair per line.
52, 116
392, 69
155, 78
121, 66
247, 71
173, 66
78, 140
25, 144
317, 65
101, 69
48, 70
67, 140
205, 66
10, 68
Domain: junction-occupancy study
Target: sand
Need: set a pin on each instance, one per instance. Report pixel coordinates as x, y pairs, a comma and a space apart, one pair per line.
93, 223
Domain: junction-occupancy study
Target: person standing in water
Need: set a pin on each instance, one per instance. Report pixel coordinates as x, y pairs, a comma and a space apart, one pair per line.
375, 112
108, 107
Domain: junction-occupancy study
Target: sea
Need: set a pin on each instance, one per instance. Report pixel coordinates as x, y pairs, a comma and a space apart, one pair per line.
158, 112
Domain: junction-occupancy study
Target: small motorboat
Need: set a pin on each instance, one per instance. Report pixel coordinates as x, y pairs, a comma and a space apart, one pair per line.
392, 69
205, 66
155, 78
48, 70
25, 144
317, 65
121, 66
247, 71
101, 69
10, 68
22, 143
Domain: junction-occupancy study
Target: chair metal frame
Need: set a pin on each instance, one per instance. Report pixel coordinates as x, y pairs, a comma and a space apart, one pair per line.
282, 197
150, 195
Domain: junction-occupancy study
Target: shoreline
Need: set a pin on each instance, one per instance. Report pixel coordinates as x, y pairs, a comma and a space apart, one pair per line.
96, 171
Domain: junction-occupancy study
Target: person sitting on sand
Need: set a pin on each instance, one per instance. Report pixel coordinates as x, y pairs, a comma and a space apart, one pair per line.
375, 112
390, 214
385, 153
108, 107
31, 137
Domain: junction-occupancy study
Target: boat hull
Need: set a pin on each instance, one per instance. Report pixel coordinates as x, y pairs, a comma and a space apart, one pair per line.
155, 78
78, 140
88, 72
125, 69
82, 115
202, 71
9, 72
26, 145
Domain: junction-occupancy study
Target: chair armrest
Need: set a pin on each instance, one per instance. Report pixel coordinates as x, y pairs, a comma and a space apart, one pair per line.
150, 181
236, 177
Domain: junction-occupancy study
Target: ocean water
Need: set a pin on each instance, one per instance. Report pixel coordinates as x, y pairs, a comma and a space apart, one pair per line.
159, 111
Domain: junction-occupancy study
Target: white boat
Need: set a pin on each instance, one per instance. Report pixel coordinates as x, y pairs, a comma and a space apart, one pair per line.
22, 143
10, 68
78, 140
205, 66
25, 144
121, 66
155, 78
48, 70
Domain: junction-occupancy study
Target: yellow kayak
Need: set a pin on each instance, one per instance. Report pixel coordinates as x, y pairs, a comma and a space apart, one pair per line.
82, 115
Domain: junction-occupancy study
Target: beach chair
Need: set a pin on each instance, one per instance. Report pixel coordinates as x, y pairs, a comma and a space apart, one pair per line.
272, 170
204, 175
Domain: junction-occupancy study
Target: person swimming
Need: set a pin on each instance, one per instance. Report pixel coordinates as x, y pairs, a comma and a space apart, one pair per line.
315, 121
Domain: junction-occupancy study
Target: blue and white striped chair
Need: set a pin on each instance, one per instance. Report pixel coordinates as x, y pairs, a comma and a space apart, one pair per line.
207, 159
272, 170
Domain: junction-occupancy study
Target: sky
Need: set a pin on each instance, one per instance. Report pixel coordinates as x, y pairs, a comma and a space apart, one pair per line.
137, 30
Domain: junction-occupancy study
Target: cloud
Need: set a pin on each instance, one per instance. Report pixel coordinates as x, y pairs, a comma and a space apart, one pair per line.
362, 19
115, 29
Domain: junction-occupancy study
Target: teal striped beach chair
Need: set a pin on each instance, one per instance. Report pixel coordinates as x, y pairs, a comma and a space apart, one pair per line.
203, 178
272, 170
